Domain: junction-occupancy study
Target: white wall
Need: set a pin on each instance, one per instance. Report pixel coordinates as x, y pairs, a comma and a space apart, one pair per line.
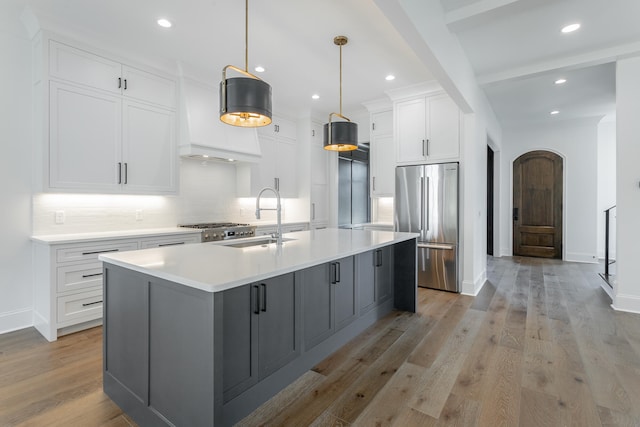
15, 171
606, 182
576, 141
627, 289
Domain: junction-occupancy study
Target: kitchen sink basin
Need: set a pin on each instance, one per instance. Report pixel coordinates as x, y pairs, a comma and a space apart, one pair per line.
260, 242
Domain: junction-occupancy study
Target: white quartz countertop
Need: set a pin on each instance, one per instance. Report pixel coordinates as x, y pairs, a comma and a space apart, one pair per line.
110, 235
215, 267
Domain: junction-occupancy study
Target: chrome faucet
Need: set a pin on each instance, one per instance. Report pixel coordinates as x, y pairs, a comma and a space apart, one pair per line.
278, 234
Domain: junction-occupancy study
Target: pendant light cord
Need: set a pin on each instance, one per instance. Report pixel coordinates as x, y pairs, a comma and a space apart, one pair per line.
246, 36
341, 80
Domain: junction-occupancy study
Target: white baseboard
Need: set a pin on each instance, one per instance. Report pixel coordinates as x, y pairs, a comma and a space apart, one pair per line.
626, 302
14, 320
581, 257
469, 288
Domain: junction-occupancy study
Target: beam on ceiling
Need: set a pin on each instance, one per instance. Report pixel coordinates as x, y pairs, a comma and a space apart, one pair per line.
482, 12
573, 62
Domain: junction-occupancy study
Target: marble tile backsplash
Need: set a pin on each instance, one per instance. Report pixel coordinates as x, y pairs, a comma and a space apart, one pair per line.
207, 193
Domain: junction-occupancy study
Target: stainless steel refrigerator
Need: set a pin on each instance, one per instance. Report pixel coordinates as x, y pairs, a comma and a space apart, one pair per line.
427, 203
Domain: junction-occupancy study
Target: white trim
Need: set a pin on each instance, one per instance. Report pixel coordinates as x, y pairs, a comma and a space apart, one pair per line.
626, 302
15, 320
581, 257
474, 288
605, 287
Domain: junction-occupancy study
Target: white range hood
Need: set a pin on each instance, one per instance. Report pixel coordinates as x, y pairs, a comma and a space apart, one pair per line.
203, 135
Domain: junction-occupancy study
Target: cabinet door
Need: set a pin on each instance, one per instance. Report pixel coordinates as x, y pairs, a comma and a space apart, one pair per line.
411, 130
277, 341
319, 164
319, 203
381, 123
79, 66
84, 139
143, 86
239, 338
317, 304
149, 149
365, 280
444, 129
345, 294
383, 273
382, 166
286, 170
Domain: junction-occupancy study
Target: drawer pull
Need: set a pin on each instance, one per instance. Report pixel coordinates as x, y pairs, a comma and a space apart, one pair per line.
84, 276
100, 252
91, 303
170, 244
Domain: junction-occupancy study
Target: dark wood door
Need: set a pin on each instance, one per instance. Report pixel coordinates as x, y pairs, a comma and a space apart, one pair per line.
537, 205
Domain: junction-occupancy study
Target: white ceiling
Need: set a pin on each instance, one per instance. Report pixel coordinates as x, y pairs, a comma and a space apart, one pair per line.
517, 51
293, 40
514, 46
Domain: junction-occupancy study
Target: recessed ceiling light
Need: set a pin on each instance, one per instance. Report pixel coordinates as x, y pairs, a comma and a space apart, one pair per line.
315, 96
259, 69
570, 28
164, 23
390, 77
560, 81
554, 112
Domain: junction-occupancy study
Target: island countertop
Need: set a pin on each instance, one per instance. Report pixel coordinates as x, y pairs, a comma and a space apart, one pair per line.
215, 267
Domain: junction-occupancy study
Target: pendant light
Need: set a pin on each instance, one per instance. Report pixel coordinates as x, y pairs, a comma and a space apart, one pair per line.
244, 101
342, 135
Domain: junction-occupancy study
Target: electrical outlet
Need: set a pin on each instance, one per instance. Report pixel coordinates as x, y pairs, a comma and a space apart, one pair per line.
60, 217
139, 215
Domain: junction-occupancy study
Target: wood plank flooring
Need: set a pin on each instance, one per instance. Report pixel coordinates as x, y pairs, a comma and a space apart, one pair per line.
539, 346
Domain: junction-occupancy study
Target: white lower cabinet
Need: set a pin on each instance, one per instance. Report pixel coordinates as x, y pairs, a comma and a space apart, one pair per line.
69, 278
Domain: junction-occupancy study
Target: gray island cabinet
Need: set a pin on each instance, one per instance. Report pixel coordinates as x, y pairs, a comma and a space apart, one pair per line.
201, 335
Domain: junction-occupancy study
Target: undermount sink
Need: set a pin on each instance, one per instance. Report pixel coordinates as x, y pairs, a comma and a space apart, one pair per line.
261, 242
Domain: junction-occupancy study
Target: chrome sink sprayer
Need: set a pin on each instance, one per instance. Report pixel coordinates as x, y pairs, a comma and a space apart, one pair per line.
278, 234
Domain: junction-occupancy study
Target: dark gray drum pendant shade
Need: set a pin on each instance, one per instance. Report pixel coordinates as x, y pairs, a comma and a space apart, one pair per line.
342, 136
245, 102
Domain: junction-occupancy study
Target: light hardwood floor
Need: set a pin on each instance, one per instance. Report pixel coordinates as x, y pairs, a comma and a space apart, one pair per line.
539, 346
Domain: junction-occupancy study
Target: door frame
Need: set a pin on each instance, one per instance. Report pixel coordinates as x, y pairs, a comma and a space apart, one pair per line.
565, 167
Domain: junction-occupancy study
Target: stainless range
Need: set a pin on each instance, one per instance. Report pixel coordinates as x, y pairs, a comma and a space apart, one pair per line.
222, 230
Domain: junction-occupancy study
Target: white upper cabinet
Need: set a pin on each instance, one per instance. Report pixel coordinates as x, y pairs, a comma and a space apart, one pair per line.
382, 154
427, 129
278, 166
85, 68
319, 194
111, 126
84, 139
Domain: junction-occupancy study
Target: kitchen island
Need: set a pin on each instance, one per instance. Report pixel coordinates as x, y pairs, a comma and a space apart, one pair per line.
202, 334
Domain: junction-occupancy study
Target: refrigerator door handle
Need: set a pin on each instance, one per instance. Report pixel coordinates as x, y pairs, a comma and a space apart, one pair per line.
436, 246
422, 204
428, 207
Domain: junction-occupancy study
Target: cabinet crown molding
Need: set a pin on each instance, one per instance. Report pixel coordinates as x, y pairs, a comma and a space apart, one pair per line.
431, 87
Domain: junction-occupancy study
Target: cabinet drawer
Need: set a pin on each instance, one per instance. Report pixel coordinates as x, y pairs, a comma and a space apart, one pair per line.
81, 276
80, 307
91, 252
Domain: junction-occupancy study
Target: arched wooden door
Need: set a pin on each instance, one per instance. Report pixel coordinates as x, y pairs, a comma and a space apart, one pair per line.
537, 205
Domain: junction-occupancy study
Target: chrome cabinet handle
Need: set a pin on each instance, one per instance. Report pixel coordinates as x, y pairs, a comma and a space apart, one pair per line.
100, 252
125, 84
119, 82
374, 183
313, 211
84, 276
91, 303
119, 172
423, 153
428, 142
126, 172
